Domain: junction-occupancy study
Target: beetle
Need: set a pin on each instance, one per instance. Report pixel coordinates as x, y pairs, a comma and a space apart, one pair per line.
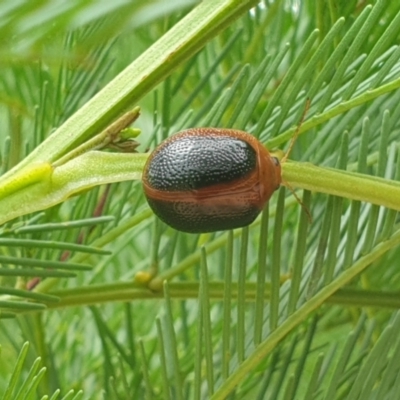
210, 179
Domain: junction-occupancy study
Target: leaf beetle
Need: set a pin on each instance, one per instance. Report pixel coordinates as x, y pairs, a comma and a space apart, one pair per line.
210, 179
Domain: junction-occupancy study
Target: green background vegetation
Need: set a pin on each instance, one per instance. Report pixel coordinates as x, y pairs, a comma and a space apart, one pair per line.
122, 306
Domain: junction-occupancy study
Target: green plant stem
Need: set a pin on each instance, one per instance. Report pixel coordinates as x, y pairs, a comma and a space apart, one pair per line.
131, 291
341, 183
108, 136
186, 38
96, 168
334, 111
81, 173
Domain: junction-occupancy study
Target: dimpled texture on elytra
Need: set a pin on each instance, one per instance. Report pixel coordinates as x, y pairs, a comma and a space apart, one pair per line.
195, 162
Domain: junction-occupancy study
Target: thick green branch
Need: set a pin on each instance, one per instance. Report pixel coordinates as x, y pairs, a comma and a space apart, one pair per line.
84, 172
181, 42
361, 187
97, 168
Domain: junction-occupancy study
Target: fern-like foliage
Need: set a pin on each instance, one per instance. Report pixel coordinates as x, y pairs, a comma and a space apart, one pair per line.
286, 308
